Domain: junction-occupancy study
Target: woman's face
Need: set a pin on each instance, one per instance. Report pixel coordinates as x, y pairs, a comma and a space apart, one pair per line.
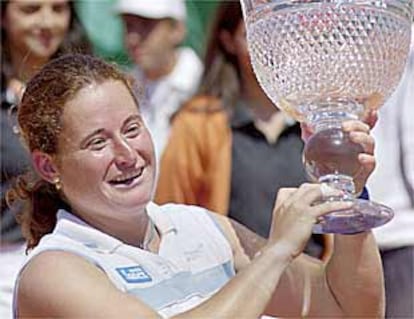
37, 27
148, 41
242, 53
105, 155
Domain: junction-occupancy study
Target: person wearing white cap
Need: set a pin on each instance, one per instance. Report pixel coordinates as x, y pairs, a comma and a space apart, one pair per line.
154, 31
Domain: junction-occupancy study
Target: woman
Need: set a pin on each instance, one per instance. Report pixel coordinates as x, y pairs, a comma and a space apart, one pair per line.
33, 32
109, 251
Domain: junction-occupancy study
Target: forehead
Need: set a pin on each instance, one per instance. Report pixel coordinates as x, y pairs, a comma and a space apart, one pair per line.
99, 105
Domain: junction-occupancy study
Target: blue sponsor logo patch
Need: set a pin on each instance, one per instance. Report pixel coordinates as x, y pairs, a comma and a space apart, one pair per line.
134, 274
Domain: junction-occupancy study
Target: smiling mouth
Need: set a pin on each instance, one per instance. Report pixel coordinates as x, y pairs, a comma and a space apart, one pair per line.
126, 179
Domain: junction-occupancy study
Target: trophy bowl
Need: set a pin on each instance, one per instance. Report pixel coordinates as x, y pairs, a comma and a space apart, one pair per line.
323, 62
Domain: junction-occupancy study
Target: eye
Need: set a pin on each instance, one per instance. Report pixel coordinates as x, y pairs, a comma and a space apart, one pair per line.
133, 130
96, 144
30, 8
60, 7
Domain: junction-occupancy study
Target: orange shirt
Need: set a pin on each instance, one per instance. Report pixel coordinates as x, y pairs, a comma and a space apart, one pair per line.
196, 164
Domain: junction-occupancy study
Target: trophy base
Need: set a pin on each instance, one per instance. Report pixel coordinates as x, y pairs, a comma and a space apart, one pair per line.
362, 216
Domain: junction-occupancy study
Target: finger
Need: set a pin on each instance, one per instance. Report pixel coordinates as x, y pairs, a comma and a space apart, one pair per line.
355, 125
371, 118
308, 193
365, 140
367, 160
283, 195
368, 164
306, 131
328, 207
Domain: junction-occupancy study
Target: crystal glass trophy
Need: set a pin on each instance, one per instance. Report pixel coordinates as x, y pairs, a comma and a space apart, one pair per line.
323, 62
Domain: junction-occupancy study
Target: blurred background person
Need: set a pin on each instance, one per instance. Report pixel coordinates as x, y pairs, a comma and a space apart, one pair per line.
230, 148
392, 184
105, 28
170, 73
33, 32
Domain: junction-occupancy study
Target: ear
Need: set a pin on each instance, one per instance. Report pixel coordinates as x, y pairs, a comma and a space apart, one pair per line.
228, 42
45, 166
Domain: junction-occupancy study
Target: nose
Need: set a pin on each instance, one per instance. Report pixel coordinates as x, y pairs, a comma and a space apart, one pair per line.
46, 18
125, 155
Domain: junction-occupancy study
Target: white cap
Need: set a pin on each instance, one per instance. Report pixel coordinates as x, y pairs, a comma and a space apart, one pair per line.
153, 9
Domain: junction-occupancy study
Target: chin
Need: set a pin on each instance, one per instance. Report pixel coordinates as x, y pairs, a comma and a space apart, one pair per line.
136, 201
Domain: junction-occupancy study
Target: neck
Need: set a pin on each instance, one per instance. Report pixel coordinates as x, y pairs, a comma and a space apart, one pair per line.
260, 105
25, 65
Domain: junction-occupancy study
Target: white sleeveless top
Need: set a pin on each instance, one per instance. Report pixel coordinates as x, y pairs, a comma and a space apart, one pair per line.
194, 259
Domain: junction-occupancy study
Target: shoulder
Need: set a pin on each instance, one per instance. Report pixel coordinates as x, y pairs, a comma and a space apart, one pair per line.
48, 277
188, 218
61, 284
200, 115
190, 59
202, 110
48, 264
202, 104
179, 213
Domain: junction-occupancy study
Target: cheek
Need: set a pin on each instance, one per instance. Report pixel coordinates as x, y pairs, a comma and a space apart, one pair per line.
79, 171
15, 26
157, 42
145, 144
62, 24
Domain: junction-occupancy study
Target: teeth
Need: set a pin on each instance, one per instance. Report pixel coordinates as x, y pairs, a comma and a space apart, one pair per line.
127, 177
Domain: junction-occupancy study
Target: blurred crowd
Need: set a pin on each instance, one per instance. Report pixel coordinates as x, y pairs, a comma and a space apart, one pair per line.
220, 143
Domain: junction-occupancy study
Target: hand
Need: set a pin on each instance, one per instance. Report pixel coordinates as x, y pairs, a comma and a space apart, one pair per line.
359, 133
295, 213
307, 131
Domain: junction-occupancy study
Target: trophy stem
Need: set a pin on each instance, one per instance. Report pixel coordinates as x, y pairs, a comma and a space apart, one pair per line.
330, 154
331, 112
341, 182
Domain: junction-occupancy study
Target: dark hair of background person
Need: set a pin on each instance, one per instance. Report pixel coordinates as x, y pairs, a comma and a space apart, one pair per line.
75, 41
40, 122
221, 77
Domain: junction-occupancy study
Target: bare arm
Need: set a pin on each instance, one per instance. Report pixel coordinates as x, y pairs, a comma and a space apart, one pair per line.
349, 285
354, 274
59, 284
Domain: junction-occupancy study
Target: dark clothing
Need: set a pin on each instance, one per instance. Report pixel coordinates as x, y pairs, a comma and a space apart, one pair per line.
260, 169
14, 161
398, 267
